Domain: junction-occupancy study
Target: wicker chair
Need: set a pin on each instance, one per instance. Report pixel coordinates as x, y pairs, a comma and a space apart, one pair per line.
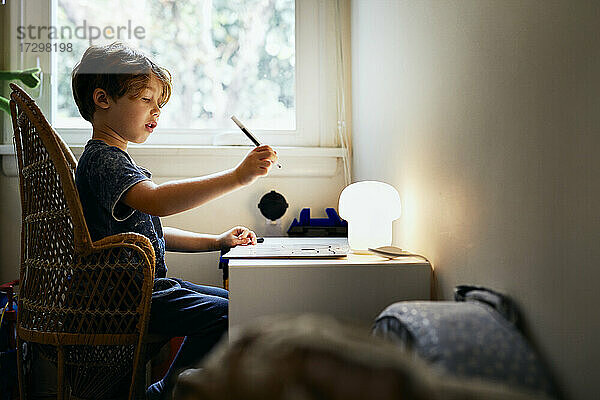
84, 305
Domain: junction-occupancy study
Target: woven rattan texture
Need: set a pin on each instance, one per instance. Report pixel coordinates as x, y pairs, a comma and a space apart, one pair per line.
85, 305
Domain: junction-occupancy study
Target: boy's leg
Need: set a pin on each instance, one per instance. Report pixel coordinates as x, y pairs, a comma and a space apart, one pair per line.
210, 290
199, 313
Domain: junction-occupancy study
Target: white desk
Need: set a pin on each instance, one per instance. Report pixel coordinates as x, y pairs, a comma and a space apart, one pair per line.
357, 287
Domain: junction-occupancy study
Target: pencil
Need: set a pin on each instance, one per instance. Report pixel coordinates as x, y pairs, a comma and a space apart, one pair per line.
247, 133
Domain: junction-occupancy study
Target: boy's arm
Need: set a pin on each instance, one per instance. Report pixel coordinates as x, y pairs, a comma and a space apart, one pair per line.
180, 240
181, 195
185, 241
177, 196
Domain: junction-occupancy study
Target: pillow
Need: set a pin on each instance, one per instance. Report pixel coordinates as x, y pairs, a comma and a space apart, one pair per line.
467, 339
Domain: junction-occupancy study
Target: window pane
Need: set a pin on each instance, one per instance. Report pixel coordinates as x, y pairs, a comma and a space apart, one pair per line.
226, 57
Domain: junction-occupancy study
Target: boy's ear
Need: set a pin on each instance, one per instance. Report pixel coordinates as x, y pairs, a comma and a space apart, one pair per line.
101, 98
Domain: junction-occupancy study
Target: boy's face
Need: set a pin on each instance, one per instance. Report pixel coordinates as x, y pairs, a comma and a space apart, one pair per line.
134, 119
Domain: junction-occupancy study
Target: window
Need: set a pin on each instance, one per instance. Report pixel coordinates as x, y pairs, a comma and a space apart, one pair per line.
270, 62
226, 56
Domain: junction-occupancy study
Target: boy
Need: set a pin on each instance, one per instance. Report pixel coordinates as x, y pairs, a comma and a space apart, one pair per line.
121, 92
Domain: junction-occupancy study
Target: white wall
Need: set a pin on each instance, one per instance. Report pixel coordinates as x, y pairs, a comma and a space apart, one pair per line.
485, 116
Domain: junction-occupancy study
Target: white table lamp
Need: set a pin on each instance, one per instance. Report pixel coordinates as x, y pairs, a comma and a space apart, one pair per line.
369, 207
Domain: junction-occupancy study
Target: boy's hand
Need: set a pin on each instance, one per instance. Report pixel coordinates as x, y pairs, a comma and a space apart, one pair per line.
236, 236
257, 163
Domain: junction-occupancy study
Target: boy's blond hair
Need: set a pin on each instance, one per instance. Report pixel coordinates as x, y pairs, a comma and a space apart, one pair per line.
119, 70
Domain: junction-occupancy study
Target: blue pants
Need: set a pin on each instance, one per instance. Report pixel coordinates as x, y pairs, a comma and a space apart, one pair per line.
181, 308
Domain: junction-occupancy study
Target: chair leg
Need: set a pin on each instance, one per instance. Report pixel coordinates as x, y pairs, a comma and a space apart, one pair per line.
60, 384
138, 388
148, 374
20, 373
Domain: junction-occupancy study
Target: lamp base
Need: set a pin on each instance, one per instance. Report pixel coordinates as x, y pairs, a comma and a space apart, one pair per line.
362, 252
390, 251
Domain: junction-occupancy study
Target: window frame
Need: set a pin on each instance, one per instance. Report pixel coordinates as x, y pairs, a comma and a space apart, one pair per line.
316, 116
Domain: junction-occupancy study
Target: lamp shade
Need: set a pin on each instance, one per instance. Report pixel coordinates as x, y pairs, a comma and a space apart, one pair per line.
369, 207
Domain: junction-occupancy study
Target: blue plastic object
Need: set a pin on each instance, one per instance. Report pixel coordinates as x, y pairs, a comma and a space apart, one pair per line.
333, 225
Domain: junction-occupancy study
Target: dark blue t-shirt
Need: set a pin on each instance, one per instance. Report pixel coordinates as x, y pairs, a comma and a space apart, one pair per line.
104, 173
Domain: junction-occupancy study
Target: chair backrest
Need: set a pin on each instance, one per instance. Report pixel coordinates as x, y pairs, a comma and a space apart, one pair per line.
49, 198
53, 226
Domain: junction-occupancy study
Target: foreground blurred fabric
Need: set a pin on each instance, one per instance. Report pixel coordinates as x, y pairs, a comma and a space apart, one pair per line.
314, 357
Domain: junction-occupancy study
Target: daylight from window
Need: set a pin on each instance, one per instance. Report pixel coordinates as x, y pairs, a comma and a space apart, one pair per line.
226, 57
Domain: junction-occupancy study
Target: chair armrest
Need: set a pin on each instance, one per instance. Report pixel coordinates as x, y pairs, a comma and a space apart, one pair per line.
129, 238
111, 286
105, 289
